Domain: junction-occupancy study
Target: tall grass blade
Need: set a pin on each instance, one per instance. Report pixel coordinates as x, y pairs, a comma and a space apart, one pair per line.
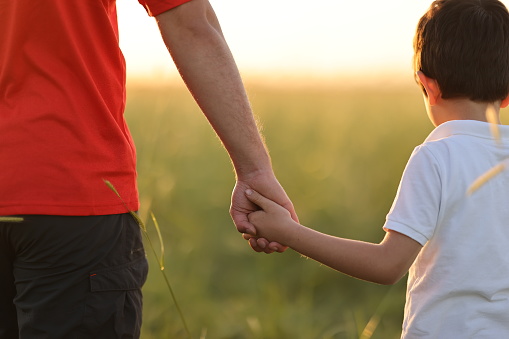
487, 176
11, 219
370, 327
492, 117
161, 243
373, 322
134, 214
160, 259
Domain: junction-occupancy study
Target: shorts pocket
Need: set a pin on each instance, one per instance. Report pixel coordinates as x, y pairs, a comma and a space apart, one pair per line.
114, 305
130, 276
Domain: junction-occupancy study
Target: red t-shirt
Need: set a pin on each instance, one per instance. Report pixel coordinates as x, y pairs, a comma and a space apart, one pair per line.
62, 100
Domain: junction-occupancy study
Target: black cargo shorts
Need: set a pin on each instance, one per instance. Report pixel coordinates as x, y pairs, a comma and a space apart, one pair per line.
71, 277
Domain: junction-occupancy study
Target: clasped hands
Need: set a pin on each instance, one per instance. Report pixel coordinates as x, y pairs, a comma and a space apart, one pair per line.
241, 207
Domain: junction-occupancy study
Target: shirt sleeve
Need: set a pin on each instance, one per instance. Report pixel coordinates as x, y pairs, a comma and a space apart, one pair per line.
416, 207
156, 7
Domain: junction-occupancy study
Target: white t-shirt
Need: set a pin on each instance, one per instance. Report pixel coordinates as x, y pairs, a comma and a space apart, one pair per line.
458, 286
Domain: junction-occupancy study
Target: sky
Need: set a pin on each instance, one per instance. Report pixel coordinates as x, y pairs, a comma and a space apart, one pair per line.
278, 38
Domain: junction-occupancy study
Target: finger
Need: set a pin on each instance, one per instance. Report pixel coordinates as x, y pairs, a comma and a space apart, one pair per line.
262, 243
247, 236
242, 223
258, 199
277, 247
254, 245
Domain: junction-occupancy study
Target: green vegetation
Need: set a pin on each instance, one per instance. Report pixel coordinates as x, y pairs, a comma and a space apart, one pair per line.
339, 153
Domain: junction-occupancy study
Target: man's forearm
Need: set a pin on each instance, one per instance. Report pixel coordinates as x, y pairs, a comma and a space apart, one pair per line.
206, 64
193, 36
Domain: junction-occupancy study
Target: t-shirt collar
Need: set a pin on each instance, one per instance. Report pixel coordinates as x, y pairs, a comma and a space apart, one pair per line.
475, 128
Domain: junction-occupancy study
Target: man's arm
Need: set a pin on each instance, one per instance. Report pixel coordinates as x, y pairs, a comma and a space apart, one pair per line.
194, 38
383, 263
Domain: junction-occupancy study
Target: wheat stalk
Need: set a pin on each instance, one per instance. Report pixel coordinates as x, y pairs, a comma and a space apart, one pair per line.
160, 259
11, 219
492, 118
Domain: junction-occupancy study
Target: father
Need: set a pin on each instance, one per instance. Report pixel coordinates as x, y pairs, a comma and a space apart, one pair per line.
75, 266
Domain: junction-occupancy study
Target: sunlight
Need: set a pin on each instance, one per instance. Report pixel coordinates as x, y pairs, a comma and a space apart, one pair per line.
290, 36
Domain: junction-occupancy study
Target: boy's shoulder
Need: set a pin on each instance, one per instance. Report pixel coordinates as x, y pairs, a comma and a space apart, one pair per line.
466, 131
459, 143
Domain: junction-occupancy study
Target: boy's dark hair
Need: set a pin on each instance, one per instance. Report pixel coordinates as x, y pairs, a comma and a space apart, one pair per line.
464, 46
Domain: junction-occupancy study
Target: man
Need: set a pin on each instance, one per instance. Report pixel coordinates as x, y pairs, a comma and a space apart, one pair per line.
75, 266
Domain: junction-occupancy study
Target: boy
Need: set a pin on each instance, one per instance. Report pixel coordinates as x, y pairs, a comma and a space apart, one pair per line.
454, 246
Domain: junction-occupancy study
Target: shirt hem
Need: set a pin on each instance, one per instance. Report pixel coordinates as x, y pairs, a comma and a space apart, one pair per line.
154, 10
40, 209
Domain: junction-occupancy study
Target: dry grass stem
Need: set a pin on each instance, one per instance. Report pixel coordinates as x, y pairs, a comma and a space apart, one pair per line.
483, 179
11, 219
492, 117
160, 259
161, 243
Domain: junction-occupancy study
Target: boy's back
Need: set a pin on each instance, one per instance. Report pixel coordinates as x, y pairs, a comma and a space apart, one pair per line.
458, 284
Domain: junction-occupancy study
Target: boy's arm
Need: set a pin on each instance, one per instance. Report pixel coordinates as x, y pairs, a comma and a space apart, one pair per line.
194, 38
383, 263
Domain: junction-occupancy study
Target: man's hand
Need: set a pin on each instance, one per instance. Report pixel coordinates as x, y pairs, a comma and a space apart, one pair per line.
267, 184
196, 43
272, 221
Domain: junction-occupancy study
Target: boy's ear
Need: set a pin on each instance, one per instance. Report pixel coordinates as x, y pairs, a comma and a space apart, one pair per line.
505, 102
431, 86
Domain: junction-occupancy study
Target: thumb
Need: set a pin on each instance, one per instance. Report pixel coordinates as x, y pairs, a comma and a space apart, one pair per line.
258, 199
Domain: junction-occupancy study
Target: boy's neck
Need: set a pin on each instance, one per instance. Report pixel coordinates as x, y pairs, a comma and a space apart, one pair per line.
461, 109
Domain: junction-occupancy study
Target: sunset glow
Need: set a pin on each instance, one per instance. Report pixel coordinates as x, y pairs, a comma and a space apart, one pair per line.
290, 37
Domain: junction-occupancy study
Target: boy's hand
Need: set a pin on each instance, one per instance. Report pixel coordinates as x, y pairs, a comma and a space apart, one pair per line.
272, 221
266, 183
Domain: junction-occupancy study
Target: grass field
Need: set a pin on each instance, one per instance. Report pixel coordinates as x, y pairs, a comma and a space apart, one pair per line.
339, 153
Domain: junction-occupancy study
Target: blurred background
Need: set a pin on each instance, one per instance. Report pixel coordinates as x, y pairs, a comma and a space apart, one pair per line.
332, 84
291, 38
